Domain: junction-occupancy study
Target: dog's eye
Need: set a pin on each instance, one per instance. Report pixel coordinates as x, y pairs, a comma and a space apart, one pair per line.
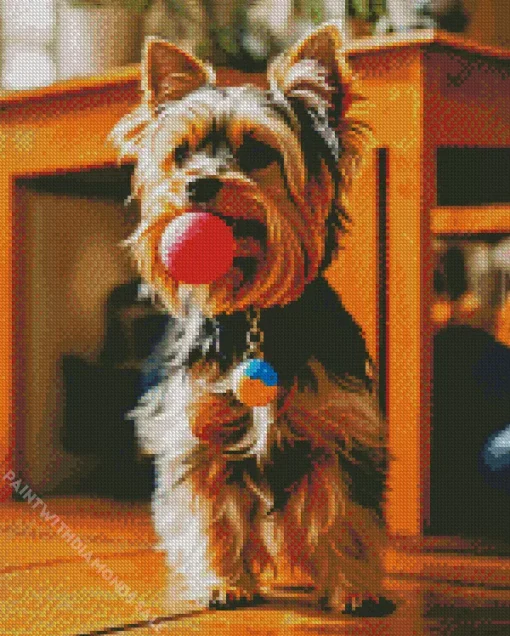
181, 153
255, 155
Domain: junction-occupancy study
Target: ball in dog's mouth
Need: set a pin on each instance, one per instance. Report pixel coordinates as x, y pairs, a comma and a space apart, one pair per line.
197, 248
201, 246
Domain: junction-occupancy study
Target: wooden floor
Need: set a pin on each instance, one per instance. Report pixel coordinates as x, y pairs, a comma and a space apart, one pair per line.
46, 587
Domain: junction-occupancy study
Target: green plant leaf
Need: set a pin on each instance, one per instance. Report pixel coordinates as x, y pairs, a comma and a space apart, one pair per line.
227, 40
359, 9
138, 5
377, 9
133, 5
177, 6
316, 12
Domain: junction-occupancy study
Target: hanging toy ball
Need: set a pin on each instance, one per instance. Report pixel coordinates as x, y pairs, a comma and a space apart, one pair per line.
255, 382
197, 248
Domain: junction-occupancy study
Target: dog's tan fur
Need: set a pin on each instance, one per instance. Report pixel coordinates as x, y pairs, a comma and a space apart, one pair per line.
220, 533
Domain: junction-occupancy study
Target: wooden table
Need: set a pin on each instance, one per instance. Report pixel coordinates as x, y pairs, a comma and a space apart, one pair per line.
423, 91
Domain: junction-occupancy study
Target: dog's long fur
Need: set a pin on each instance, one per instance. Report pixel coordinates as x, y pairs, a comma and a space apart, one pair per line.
228, 504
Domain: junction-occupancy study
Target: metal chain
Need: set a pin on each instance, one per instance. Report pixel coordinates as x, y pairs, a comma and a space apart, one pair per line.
254, 335
216, 336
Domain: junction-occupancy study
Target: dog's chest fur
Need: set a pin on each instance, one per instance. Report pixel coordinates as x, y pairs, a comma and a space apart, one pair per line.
315, 327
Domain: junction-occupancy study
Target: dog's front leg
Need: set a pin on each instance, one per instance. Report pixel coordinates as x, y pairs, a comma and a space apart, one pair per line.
238, 554
207, 531
337, 542
182, 520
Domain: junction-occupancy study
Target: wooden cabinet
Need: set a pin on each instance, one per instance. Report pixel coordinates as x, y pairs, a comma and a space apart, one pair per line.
423, 93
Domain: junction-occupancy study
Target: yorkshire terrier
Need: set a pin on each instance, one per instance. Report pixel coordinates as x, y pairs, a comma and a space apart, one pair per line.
298, 476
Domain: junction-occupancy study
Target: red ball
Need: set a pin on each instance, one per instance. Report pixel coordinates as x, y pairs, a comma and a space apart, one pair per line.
197, 248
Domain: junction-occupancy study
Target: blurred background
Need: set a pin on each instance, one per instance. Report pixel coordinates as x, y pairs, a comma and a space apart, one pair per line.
88, 330
46, 40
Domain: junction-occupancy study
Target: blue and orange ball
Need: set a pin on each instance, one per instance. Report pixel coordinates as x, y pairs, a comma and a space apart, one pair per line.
255, 382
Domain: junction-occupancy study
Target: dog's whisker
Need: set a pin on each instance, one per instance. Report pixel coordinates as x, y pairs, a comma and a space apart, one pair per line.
144, 227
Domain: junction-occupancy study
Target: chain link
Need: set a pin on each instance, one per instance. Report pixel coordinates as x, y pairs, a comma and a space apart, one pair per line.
254, 335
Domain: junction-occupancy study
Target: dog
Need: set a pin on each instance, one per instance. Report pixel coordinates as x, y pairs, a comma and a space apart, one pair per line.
243, 487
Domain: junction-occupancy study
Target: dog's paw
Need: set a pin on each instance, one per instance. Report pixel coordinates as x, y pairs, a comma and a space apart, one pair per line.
358, 605
234, 597
367, 607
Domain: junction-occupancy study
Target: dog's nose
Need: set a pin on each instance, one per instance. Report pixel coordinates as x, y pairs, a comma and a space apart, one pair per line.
204, 189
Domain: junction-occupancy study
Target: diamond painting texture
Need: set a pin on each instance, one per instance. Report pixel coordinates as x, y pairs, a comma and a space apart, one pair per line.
359, 480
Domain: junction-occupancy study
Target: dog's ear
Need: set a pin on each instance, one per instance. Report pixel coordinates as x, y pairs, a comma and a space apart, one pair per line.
315, 73
169, 73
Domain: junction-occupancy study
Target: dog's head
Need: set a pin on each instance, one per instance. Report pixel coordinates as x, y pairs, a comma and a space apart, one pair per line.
272, 164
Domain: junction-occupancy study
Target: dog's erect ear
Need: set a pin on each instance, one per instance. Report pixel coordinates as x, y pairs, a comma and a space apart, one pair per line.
315, 72
169, 73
